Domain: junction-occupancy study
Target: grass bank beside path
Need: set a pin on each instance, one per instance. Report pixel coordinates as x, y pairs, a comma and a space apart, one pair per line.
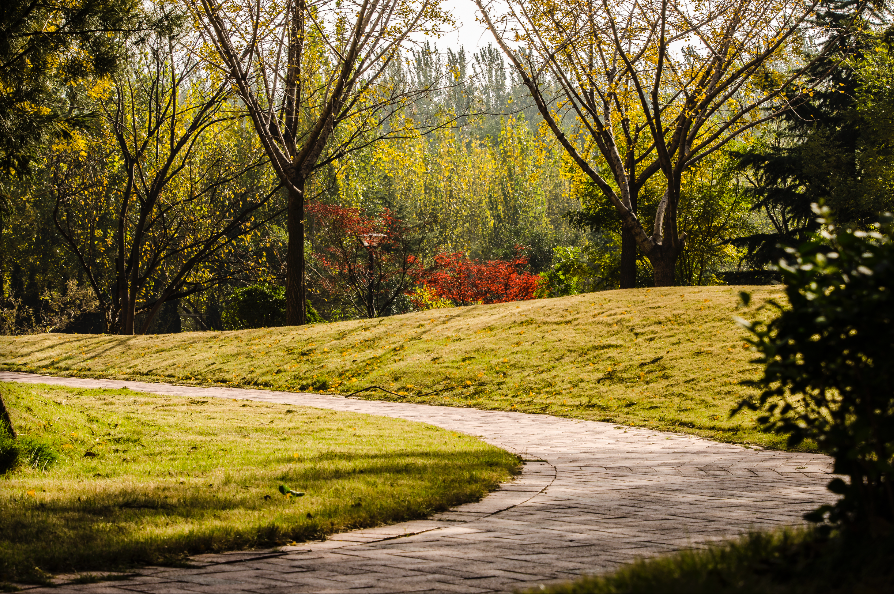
140, 478
784, 561
665, 358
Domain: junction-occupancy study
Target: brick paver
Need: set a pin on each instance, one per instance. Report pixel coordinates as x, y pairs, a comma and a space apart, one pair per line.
592, 496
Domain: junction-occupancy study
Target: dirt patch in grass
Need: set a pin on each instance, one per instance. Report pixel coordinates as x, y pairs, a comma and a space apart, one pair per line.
668, 358
149, 479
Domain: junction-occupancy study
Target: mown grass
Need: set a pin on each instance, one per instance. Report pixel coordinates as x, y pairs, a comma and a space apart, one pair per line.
149, 479
668, 358
786, 561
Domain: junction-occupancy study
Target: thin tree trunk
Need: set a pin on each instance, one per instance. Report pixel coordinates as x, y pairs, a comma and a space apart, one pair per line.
295, 287
4, 418
127, 312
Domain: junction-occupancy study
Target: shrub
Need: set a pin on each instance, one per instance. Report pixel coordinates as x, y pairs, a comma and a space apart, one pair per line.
260, 306
829, 365
256, 306
24, 450
423, 298
462, 281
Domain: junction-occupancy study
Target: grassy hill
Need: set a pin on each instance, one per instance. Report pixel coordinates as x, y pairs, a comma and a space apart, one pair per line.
667, 358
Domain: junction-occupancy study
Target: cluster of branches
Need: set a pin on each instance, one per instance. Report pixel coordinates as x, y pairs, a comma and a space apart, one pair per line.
178, 201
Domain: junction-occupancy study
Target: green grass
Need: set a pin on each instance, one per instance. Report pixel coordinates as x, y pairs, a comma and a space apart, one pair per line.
669, 358
149, 479
785, 561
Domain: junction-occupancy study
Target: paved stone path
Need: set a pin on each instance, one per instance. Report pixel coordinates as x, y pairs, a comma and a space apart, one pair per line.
592, 497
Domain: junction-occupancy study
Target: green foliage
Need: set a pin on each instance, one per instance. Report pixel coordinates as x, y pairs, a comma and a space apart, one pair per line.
256, 306
26, 450
260, 306
713, 210
52, 52
475, 193
829, 364
595, 266
833, 148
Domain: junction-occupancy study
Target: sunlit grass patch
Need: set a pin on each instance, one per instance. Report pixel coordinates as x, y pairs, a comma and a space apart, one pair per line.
666, 358
783, 561
148, 479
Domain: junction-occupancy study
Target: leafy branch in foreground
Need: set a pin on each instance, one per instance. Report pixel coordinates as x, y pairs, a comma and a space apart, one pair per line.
829, 365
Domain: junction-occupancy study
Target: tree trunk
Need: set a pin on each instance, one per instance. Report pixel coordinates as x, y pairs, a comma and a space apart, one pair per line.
628, 239
628, 259
295, 288
153, 313
127, 312
664, 264
4, 418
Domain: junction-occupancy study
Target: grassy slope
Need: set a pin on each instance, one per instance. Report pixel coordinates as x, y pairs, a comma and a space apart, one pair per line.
669, 358
166, 476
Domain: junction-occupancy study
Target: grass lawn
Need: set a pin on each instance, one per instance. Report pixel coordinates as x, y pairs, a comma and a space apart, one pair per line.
785, 561
149, 479
669, 358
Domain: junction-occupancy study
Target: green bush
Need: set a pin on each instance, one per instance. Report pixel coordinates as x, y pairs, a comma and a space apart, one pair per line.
256, 306
592, 267
24, 450
829, 365
260, 306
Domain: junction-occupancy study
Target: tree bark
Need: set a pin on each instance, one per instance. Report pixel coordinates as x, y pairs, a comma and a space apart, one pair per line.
628, 259
128, 315
664, 267
664, 264
4, 418
296, 314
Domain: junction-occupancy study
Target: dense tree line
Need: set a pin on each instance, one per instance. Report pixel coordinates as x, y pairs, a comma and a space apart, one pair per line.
158, 176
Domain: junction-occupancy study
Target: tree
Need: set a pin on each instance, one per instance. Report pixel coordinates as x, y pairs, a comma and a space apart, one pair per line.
170, 186
50, 49
367, 259
653, 87
315, 81
828, 365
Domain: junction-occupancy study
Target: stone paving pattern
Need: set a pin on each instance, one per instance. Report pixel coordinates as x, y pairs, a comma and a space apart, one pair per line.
592, 496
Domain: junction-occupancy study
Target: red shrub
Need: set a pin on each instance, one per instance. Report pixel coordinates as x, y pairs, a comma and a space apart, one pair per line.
464, 281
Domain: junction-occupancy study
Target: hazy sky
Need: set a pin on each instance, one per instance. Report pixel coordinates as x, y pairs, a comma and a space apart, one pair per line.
469, 33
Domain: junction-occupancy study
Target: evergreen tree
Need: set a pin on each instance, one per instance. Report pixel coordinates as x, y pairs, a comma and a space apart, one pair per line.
826, 147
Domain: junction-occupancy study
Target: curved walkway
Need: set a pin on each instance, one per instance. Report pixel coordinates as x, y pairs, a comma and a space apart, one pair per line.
592, 496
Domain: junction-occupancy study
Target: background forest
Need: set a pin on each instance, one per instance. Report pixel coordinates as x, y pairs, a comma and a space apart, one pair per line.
139, 196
